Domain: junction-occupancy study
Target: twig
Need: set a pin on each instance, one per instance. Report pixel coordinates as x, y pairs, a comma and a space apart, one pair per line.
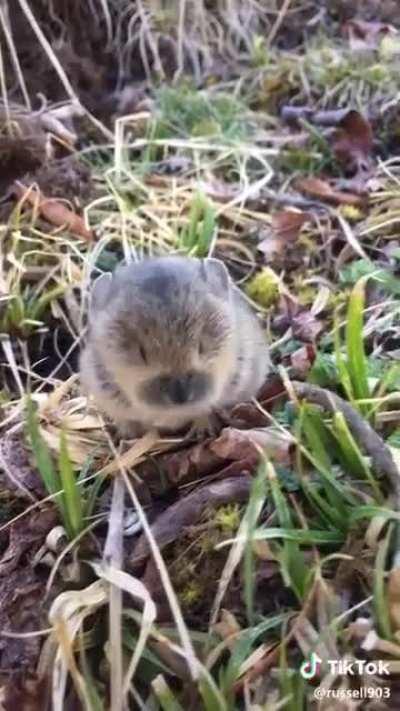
276, 26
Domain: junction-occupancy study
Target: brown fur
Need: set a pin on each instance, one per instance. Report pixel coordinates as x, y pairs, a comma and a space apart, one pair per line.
168, 319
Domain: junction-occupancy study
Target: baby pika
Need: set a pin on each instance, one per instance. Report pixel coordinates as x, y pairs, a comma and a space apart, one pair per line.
170, 340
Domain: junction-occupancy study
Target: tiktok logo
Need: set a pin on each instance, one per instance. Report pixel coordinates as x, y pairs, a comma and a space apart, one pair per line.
311, 667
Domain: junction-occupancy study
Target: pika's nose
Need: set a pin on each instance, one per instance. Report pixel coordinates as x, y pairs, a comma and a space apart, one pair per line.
167, 389
180, 390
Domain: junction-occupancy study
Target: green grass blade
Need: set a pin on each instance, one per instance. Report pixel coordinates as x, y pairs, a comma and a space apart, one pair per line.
43, 459
353, 458
72, 492
257, 497
303, 537
291, 557
40, 450
165, 696
212, 697
242, 650
341, 365
356, 359
197, 236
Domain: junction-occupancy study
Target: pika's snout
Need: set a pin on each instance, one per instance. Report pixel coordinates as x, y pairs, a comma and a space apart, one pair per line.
177, 390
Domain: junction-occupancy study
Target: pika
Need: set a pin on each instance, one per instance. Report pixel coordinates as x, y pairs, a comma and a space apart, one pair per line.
170, 340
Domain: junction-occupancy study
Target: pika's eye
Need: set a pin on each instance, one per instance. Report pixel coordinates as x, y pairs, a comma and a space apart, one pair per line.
142, 353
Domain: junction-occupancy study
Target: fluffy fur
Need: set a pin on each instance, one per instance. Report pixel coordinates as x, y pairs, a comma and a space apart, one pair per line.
170, 340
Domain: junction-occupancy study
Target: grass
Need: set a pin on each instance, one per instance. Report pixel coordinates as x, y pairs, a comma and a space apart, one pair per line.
74, 501
314, 554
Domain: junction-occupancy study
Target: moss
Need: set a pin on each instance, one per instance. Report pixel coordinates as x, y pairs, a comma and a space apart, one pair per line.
264, 287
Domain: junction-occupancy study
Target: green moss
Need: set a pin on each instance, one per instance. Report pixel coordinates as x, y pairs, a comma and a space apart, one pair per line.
264, 287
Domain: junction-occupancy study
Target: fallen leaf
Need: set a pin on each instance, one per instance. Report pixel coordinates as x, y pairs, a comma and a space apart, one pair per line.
302, 360
213, 456
271, 246
288, 223
187, 512
246, 445
305, 326
53, 211
228, 627
353, 142
365, 35
285, 228
323, 190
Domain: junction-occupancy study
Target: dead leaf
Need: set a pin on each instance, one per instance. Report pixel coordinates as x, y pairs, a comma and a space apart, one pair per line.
174, 468
366, 35
288, 223
246, 415
305, 326
323, 190
187, 512
285, 229
353, 142
302, 360
233, 451
53, 210
228, 627
248, 445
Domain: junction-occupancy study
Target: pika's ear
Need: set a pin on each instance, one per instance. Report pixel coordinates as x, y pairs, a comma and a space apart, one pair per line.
101, 291
215, 273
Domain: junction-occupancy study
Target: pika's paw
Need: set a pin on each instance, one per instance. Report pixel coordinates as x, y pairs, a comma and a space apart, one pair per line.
203, 427
129, 429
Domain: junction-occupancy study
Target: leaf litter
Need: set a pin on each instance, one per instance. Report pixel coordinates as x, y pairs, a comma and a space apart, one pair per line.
296, 166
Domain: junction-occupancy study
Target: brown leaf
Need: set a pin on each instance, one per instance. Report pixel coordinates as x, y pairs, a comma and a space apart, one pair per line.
288, 223
228, 627
53, 211
187, 512
353, 142
248, 444
212, 456
184, 465
305, 326
365, 35
323, 190
302, 359
285, 229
